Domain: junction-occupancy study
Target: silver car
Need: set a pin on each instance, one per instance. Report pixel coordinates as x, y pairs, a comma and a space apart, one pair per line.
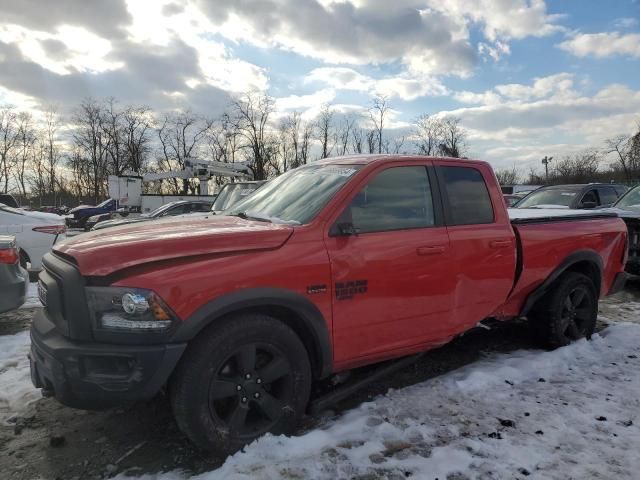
13, 278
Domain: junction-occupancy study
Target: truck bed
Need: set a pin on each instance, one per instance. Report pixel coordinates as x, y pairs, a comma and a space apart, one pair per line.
547, 237
519, 216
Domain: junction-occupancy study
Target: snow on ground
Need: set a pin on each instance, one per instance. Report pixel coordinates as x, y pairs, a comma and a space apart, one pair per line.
32, 299
570, 413
16, 390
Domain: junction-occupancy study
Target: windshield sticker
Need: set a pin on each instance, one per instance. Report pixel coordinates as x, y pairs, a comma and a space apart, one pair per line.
568, 194
342, 172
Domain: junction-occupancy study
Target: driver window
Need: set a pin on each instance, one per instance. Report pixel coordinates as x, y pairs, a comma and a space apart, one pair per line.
396, 199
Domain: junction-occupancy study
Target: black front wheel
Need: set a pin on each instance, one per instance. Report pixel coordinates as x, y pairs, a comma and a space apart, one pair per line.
240, 379
568, 312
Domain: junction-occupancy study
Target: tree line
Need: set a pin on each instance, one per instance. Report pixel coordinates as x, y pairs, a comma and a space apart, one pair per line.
59, 159
616, 160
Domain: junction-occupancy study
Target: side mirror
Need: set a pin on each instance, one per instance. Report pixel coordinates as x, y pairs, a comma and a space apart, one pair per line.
589, 204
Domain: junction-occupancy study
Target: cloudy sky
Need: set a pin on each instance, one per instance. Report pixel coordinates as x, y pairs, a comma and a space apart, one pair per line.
528, 77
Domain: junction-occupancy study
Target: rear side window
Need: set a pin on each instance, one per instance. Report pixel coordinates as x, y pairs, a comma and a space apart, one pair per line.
467, 196
398, 198
607, 195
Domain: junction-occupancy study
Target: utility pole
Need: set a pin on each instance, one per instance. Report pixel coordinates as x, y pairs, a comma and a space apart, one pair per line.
545, 162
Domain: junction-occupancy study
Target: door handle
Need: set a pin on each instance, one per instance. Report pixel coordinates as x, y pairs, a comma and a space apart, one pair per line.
500, 243
434, 250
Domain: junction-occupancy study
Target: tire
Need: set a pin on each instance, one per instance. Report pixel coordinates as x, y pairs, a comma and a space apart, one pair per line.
567, 312
240, 379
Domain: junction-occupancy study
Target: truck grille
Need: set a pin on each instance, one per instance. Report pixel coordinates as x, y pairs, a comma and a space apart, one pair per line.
61, 290
42, 293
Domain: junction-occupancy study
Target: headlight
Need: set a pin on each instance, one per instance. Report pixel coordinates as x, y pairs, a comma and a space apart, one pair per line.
95, 218
129, 309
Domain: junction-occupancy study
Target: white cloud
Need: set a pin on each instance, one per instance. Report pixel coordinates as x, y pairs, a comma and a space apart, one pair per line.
521, 123
158, 22
68, 49
503, 18
601, 45
626, 22
404, 86
296, 102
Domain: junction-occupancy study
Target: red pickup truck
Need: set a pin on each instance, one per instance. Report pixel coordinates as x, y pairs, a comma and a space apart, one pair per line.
334, 265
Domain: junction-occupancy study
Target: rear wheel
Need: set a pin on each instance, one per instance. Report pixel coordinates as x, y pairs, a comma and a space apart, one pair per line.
567, 312
240, 379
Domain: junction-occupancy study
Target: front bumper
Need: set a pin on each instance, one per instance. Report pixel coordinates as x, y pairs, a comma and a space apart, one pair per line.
96, 375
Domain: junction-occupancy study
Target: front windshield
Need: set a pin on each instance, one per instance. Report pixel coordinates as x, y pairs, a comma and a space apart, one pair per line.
296, 196
104, 204
630, 200
554, 196
159, 210
231, 194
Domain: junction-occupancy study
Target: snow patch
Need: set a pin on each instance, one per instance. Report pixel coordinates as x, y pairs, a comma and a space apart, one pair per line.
16, 390
569, 413
32, 300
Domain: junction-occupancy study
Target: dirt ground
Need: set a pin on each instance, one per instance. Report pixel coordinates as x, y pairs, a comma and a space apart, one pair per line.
51, 441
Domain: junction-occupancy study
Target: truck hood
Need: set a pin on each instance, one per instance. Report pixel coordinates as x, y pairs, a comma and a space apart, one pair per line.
103, 252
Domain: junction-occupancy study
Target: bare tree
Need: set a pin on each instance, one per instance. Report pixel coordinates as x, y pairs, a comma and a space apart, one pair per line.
377, 114
181, 136
27, 138
453, 138
507, 176
91, 156
429, 133
326, 136
621, 146
8, 140
250, 118
136, 126
344, 134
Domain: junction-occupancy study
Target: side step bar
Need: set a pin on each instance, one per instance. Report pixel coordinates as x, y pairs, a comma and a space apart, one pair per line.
325, 401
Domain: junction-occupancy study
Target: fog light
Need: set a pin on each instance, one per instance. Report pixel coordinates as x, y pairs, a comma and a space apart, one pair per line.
134, 304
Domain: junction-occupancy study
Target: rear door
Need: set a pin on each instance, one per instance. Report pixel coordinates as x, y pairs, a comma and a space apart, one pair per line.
482, 254
391, 281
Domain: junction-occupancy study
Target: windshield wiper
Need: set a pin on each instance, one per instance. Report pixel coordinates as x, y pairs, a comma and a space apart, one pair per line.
244, 216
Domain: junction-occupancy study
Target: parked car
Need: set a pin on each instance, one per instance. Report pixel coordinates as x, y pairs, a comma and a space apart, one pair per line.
182, 207
36, 233
232, 193
61, 210
334, 265
628, 208
9, 200
511, 200
592, 195
78, 216
13, 278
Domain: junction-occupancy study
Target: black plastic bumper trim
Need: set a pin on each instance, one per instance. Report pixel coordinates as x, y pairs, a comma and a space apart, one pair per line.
93, 375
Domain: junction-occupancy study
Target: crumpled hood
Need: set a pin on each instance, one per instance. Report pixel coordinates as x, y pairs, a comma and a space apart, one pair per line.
103, 252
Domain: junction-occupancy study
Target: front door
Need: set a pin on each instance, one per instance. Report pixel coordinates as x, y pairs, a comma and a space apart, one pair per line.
391, 279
